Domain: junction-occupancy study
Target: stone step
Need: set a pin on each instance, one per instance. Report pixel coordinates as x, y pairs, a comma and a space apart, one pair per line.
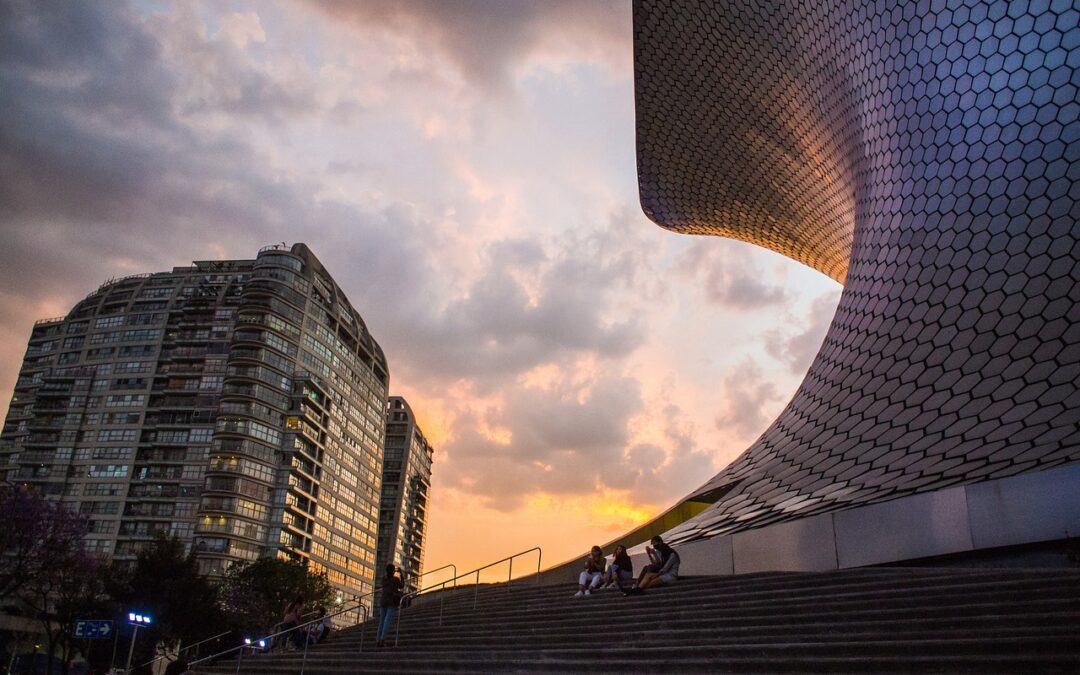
1040, 654
880, 620
790, 582
826, 633
825, 622
693, 587
779, 613
691, 598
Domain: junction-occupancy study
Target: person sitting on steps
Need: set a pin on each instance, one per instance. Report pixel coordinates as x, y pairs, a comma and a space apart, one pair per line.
320, 630
593, 574
663, 570
621, 569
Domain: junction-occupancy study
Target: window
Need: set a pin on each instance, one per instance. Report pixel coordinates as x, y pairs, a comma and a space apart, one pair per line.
124, 400
117, 434
107, 470
103, 489
200, 435
109, 321
113, 453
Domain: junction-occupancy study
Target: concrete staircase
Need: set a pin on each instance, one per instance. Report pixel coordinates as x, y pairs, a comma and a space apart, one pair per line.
861, 621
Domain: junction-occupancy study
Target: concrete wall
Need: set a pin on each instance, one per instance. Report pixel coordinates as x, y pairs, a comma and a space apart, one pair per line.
1029, 508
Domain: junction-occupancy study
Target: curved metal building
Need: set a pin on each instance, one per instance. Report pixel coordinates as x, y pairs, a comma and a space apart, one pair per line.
926, 155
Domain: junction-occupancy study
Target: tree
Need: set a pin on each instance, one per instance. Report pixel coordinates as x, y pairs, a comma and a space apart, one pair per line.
46, 568
255, 594
69, 590
36, 536
166, 584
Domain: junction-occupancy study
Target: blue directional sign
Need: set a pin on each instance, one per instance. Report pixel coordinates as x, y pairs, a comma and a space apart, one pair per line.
94, 629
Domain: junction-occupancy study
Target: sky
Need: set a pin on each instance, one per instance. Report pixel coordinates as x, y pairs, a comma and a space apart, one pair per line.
466, 172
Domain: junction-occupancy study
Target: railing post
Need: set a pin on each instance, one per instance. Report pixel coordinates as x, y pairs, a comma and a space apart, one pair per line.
476, 589
510, 573
539, 555
239, 660
442, 599
307, 638
363, 607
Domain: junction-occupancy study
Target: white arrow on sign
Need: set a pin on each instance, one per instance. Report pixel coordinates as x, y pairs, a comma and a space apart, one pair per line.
105, 628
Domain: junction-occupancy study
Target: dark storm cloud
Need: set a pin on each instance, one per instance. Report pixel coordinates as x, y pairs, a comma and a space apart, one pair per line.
728, 278
486, 39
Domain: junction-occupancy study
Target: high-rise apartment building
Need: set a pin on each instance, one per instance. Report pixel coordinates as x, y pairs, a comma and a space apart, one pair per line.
406, 482
239, 405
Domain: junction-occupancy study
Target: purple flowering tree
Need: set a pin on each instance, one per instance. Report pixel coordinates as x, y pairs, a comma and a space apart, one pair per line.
45, 570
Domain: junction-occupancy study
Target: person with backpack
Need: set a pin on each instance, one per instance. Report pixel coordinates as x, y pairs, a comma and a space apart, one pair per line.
392, 590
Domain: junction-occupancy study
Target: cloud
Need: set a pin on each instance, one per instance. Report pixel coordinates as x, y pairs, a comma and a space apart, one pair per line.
575, 436
797, 349
487, 40
749, 401
532, 303
537, 319
729, 276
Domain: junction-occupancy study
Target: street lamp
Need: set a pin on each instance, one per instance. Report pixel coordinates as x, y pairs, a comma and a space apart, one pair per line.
137, 620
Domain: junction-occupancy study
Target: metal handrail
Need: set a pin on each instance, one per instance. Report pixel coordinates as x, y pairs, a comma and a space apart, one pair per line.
181, 651
303, 663
476, 590
420, 576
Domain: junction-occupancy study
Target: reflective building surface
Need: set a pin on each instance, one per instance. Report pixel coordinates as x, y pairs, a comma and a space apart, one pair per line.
924, 154
238, 405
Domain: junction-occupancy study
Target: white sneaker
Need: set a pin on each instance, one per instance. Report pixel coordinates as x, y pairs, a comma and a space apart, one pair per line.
579, 594
588, 592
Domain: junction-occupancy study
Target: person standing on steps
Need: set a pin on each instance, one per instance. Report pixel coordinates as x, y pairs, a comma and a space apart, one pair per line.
621, 568
290, 621
593, 574
392, 586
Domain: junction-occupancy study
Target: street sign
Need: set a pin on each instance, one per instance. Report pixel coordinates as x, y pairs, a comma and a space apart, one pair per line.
94, 629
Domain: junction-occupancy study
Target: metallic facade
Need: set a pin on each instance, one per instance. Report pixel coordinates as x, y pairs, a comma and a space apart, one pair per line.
406, 487
238, 405
926, 155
